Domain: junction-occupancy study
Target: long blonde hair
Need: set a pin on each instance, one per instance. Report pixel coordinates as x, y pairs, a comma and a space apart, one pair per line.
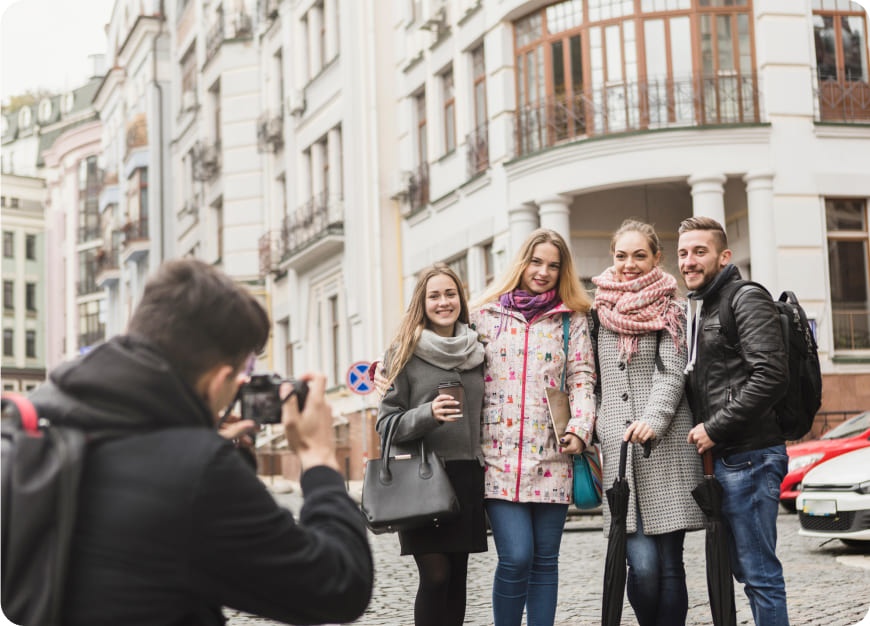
572, 294
414, 321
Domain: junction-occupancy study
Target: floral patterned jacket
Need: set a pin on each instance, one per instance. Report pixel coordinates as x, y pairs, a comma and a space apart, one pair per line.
520, 449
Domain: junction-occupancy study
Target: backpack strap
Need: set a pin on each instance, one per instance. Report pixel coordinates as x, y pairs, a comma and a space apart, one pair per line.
726, 309
26, 411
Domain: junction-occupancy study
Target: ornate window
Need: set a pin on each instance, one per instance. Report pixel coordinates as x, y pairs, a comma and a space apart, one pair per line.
599, 67
841, 60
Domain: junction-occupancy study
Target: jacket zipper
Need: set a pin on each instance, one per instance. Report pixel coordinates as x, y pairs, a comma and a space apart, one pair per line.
522, 411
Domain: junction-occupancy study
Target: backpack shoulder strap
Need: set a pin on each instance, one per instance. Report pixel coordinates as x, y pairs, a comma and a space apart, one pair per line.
726, 308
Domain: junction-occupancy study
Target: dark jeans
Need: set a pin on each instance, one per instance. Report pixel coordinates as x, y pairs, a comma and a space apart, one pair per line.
656, 577
527, 538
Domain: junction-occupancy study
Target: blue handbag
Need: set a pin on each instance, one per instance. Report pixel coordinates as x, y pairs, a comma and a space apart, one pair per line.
587, 490
587, 478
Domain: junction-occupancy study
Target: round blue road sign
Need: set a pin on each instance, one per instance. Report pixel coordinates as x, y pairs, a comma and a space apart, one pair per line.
358, 378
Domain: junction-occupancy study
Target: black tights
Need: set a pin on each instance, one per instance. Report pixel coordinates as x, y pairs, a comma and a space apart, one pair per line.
441, 594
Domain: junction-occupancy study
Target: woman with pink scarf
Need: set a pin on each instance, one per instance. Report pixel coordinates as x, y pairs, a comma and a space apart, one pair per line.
641, 360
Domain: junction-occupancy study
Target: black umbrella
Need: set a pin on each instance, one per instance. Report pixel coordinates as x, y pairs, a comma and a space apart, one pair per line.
720, 585
614, 563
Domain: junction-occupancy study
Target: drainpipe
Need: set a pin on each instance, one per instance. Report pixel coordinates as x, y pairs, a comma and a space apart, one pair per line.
159, 152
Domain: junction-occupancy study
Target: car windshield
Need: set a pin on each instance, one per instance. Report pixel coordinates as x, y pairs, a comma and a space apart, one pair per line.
850, 428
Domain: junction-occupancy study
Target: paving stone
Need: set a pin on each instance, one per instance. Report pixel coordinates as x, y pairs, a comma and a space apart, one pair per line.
828, 583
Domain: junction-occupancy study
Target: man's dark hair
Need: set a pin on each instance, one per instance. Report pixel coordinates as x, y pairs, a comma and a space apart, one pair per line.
197, 317
706, 223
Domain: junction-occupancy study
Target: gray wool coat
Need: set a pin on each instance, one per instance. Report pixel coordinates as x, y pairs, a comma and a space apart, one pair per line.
661, 484
411, 395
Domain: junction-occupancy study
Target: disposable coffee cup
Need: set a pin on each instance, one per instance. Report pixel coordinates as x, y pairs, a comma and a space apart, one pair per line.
456, 390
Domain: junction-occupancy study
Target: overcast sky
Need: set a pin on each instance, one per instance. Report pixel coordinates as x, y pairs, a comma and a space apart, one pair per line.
46, 43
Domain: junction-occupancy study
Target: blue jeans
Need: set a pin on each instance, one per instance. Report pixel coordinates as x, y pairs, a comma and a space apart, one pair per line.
750, 482
527, 538
656, 577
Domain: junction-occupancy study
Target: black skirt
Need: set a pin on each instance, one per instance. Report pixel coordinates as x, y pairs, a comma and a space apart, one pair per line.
466, 533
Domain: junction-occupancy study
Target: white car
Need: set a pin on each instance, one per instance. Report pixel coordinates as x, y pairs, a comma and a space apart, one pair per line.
835, 499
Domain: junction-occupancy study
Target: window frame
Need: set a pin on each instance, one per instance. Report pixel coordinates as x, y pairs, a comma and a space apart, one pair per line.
448, 95
848, 235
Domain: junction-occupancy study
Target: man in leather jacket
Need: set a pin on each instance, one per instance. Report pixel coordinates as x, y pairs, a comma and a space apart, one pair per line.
173, 523
732, 391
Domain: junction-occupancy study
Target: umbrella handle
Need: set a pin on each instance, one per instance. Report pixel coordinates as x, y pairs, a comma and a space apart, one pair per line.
623, 453
708, 463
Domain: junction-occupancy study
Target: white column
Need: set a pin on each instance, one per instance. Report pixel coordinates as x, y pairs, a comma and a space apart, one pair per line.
523, 219
298, 38
476, 270
762, 231
708, 196
555, 212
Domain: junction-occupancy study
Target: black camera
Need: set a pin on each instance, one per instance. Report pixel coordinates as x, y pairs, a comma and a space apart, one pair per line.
261, 399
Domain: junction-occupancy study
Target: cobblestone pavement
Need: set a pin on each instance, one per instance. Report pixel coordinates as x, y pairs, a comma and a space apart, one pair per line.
828, 584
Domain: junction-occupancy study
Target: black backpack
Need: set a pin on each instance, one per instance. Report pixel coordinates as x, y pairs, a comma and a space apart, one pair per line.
796, 410
41, 471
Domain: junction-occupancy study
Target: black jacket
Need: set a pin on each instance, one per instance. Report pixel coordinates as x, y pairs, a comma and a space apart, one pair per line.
733, 390
173, 524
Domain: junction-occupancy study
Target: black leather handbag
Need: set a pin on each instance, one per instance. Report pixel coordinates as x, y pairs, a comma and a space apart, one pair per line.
407, 490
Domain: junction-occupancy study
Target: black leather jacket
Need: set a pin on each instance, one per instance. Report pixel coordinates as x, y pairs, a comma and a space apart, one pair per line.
733, 390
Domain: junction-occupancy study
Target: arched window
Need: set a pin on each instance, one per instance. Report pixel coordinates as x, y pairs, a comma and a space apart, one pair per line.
44, 110
599, 67
25, 117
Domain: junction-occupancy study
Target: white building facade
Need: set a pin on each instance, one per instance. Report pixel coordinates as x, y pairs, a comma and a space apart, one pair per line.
576, 115
329, 249
134, 169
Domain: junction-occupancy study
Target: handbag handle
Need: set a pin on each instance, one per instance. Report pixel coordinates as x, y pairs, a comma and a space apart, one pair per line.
385, 475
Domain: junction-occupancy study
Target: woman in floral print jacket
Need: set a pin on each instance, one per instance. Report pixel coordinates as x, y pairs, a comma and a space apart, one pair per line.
528, 466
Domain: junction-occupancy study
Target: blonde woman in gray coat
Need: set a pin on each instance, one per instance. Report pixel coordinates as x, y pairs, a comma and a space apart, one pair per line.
641, 322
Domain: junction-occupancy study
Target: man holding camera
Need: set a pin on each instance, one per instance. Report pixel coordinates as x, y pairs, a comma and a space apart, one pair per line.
172, 523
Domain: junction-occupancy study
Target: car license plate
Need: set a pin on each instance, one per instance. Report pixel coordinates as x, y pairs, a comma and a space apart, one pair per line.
820, 507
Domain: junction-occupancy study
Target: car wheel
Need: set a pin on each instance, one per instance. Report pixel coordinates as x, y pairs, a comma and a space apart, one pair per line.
789, 505
855, 543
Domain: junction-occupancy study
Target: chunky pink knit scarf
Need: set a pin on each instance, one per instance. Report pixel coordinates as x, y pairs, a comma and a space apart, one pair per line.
632, 308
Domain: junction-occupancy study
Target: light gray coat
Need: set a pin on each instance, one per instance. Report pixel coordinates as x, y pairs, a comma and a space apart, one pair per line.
660, 485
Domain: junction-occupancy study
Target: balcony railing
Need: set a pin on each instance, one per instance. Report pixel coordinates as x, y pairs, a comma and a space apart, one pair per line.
206, 160
314, 220
643, 105
271, 250
851, 329
107, 259
477, 145
88, 233
135, 230
418, 188
847, 101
